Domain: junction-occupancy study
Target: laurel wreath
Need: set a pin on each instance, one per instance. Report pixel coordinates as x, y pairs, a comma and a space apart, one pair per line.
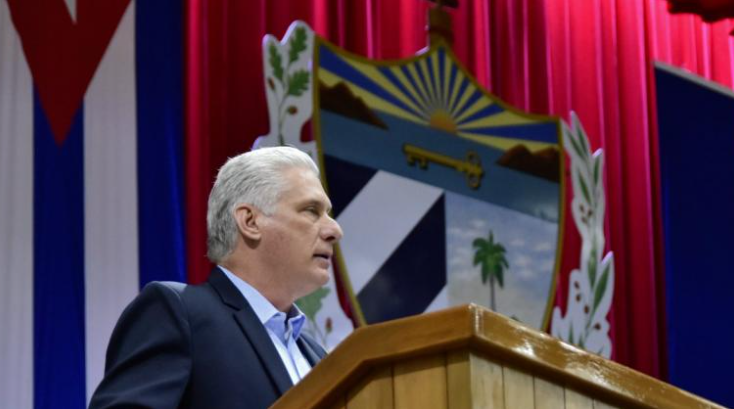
290, 84
591, 286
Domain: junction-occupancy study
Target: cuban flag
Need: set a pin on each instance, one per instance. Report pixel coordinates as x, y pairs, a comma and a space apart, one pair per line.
91, 189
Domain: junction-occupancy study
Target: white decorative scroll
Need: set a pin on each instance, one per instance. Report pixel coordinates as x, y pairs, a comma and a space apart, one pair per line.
591, 286
288, 86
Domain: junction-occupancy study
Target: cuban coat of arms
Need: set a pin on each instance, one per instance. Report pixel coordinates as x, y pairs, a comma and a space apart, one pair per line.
446, 194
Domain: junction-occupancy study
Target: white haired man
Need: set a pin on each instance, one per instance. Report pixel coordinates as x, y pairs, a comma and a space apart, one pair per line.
235, 341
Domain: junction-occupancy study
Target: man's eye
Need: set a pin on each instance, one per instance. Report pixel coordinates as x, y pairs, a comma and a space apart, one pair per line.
313, 210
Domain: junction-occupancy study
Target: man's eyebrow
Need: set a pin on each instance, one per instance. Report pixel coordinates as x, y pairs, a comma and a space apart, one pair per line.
311, 202
318, 203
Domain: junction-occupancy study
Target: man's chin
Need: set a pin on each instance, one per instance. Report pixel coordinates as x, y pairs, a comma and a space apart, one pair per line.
320, 279
323, 277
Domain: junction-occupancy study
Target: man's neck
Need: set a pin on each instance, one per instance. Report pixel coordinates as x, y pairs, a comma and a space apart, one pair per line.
269, 289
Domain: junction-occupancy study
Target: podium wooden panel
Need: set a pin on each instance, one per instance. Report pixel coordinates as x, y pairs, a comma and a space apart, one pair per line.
469, 357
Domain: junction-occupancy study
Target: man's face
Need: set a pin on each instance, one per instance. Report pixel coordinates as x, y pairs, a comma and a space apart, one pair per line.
298, 239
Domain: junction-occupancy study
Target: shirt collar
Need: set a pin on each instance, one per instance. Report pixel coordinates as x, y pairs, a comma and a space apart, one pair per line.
267, 314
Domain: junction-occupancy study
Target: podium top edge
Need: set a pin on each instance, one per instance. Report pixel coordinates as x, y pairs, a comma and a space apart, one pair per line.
494, 337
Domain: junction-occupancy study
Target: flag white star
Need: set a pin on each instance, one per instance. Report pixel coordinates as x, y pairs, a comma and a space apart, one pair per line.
71, 5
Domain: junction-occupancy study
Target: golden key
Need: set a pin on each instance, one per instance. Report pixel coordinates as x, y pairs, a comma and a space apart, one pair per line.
471, 166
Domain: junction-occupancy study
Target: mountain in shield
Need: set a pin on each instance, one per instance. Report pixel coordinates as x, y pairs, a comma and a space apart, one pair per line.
543, 163
340, 100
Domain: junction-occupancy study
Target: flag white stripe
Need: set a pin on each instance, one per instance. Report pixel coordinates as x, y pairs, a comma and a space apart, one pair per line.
16, 220
110, 195
387, 204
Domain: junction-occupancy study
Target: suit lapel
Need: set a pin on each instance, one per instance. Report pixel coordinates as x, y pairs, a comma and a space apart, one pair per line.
253, 330
308, 350
261, 342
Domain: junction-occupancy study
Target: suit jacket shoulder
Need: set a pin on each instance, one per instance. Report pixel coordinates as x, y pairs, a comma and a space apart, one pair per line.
149, 356
193, 346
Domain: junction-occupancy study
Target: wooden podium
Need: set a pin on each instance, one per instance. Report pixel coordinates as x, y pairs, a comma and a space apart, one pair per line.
469, 357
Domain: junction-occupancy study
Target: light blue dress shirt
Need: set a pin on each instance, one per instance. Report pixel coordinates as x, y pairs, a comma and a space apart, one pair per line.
283, 330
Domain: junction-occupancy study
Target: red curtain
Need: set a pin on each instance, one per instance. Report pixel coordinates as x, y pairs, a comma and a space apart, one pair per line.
546, 56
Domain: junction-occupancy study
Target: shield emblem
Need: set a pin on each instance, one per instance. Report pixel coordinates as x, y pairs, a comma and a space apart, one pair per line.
446, 194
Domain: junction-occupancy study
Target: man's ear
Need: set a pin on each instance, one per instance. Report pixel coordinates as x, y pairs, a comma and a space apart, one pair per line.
248, 219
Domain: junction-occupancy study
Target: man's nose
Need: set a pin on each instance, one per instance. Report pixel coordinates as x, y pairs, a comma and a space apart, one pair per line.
332, 232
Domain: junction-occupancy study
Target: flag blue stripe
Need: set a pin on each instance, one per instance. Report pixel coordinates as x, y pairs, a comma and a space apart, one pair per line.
58, 260
696, 133
159, 60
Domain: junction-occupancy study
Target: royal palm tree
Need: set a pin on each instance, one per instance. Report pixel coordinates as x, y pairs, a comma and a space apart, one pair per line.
491, 256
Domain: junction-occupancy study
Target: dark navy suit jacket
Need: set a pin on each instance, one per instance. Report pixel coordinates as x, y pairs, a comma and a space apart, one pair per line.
194, 346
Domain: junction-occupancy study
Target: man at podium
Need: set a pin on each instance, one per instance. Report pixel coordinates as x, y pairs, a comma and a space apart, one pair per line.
236, 340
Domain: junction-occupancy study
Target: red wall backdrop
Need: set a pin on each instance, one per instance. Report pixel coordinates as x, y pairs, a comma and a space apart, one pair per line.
545, 56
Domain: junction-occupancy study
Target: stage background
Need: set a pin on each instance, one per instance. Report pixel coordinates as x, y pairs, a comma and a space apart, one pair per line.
99, 201
544, 56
